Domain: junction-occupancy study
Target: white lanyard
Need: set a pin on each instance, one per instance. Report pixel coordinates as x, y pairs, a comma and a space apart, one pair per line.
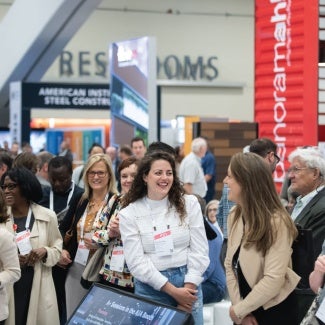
29, 216
83, 218
69, 197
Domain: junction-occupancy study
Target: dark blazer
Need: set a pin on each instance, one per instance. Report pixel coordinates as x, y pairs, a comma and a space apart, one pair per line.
75, 212
70, 220
313, 217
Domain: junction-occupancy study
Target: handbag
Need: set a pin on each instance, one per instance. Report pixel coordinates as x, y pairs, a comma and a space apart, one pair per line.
93, 267
69, 234
310, 317
303, 255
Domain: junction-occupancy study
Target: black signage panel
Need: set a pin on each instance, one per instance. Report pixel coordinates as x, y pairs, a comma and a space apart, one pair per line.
104, 305
64, 95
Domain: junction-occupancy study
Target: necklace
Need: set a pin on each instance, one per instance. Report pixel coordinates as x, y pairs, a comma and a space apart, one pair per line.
97, 203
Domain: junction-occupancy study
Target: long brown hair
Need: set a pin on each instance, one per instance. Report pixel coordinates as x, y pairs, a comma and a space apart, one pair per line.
139, 189
260, 203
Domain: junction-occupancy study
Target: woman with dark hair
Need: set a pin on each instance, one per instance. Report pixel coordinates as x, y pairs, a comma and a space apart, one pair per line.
260, 279
39, 248
114, 271
162, 229
9, 263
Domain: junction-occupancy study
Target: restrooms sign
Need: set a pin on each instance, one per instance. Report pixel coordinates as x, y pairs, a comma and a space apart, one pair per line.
286, 79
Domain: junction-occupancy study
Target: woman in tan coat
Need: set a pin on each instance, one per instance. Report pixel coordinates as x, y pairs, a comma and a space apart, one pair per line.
260, 280
39, 246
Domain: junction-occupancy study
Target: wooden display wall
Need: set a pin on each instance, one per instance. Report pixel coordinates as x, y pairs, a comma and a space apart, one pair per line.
224, 140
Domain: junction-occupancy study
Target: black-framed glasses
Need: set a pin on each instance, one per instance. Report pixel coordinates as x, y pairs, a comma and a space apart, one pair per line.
277, 158
100, 174
9, 186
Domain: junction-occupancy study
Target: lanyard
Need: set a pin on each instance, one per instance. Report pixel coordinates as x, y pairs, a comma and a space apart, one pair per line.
69, 197
83, 218
29, 216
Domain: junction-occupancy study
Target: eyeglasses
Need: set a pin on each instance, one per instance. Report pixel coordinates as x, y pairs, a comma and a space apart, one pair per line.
277, 158
100, 174
10, 186
212, 209
295, 170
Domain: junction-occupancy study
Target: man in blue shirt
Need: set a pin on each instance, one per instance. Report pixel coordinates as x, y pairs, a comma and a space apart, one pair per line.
208, 164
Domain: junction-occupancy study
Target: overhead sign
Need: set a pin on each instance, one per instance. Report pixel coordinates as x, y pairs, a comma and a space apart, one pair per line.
15, 112
58, 95
286, 76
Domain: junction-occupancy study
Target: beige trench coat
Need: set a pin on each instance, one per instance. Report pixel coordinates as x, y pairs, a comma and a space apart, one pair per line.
43, 307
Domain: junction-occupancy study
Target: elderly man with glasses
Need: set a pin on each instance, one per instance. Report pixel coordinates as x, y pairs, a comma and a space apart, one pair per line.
306, 175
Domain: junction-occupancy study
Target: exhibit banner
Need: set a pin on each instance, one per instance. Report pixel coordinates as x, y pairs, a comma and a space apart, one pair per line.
79, 139
133, 89
286, 75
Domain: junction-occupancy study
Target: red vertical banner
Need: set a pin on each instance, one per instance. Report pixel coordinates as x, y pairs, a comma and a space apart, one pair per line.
286, 74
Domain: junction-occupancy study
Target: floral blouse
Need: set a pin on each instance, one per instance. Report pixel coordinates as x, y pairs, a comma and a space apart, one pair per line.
101, 237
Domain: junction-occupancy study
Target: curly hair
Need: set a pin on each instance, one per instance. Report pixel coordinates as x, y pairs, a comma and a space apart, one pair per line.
3, 208
139, 189
30, 187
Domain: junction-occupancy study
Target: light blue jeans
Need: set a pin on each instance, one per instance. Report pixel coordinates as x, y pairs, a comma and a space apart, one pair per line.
176, 277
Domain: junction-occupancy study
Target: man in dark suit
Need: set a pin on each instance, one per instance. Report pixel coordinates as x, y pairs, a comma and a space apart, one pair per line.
60, 197
306, 174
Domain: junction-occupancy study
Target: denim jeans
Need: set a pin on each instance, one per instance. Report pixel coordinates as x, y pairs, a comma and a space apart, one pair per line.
212, 292
176, 277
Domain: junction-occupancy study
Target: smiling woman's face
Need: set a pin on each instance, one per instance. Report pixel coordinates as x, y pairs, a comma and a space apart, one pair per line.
127, 177
12, 192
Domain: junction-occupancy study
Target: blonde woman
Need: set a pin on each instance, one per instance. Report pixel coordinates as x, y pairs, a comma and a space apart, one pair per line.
100, 186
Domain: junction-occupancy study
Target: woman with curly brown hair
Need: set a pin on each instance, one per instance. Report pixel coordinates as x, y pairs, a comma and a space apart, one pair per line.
162, 229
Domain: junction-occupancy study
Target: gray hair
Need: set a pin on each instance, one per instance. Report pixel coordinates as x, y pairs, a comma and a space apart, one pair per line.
311, 156
197, 144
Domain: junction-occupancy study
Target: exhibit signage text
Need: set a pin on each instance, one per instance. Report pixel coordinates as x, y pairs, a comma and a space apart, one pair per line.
172, 67
55, 95
286, 75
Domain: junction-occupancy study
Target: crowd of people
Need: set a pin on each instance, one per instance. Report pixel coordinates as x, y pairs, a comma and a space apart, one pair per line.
146, 220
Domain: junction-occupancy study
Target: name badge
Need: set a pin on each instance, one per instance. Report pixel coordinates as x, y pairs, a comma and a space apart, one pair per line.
82, 253
23, 242
118, 259
163, 241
